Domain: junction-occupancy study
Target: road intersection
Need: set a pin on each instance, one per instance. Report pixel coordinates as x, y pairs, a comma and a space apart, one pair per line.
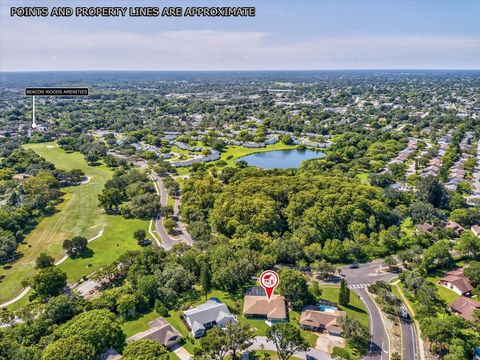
358, 279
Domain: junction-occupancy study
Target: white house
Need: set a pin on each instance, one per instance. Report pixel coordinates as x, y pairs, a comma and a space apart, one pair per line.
475, 229
457, 282
207, 315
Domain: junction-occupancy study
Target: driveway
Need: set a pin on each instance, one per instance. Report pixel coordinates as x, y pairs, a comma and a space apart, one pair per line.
181, 352
327, 342
261, 343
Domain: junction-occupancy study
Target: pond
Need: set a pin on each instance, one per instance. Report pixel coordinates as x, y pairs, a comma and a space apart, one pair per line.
281, 159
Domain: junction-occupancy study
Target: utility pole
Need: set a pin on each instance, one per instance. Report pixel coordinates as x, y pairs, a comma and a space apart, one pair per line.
34, 124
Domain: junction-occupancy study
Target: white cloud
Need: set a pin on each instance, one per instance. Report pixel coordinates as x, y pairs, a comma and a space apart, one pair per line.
48, 47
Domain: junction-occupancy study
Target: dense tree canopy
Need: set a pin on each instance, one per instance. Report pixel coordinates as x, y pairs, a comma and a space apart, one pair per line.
145, 350
97, 328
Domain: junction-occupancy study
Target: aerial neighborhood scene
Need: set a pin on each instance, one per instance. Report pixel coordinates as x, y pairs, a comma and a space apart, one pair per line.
290, 180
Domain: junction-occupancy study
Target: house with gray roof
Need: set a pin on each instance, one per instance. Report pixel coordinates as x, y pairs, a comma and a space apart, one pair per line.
160, 331
207, 315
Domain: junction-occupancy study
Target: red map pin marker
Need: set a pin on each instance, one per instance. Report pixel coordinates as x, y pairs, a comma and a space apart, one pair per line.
269, 281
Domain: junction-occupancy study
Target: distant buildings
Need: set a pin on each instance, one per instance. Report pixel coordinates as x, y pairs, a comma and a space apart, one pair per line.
214, 155
432, 168
405, 154
251, 145
271, 140
183, 146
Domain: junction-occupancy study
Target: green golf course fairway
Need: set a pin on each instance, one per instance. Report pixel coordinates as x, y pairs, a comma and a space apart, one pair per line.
78, 214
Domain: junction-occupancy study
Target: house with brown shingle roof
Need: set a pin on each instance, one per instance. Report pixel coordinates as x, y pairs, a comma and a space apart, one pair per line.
258, 307
160, 331
465, 307
425, 228
455, 227
457, 282
323, 321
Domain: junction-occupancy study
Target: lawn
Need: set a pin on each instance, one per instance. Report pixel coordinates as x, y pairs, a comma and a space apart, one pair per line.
174, 318
78, 214
116, 240
447, 295
133, 327
411, 300
355, 309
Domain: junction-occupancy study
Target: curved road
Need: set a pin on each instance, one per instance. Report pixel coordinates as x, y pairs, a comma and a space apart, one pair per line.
378, 347
167, 240
358, 280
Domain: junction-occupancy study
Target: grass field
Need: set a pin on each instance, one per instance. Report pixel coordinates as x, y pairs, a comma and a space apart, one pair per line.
78, 214
116, 240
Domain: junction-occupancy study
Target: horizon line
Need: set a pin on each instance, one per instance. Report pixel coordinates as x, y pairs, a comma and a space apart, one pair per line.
245, 70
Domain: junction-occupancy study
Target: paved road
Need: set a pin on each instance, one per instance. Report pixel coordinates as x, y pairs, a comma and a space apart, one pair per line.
378, 347
366, 274
409, 340
16, 298
358, 279
167, 240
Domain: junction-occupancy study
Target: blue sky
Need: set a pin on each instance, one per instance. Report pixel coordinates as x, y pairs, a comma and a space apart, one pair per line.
285, 34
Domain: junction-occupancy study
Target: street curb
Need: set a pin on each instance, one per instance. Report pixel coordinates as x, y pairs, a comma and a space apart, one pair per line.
419, 340
383, 322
